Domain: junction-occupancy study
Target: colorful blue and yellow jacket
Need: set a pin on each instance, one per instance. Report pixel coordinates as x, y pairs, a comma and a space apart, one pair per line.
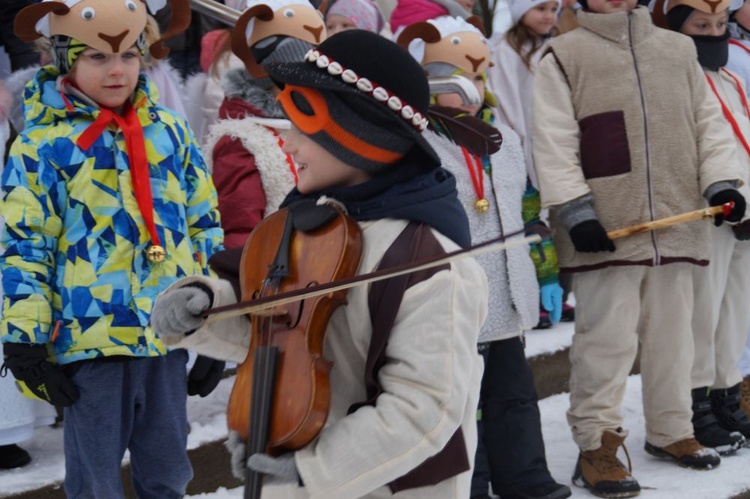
74, 271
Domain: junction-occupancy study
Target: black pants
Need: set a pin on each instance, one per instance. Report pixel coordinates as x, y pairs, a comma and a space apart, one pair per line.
510, 453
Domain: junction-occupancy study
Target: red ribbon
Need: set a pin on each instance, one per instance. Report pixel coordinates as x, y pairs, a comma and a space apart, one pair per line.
476, 170
728, 114
135, 145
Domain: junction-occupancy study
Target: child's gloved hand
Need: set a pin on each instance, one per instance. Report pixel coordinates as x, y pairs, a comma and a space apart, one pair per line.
205, 375
44, 380
277, 470
590, 237
552, 300
179, 312
726, 196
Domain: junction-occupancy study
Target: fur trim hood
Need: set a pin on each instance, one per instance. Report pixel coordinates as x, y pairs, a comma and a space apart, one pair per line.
238, 83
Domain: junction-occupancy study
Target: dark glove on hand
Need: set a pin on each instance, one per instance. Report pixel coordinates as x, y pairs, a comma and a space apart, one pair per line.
742, 231
725, 196
590, 237
204, 375
29, 364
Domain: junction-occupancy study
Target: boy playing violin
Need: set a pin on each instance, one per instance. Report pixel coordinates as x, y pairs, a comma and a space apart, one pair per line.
358, 106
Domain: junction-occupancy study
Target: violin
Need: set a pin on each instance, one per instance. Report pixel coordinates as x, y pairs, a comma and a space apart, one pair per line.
281, 396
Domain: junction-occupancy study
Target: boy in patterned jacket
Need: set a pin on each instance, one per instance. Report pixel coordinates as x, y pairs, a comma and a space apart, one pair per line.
107, 202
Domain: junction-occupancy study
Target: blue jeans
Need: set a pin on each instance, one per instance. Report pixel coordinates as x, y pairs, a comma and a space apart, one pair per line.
138, 404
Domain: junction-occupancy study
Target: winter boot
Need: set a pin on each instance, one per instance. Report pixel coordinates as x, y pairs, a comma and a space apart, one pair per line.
745, 392
549, 490
12, 456
688, 453
544, 321
706, 427
726, 406
602, 473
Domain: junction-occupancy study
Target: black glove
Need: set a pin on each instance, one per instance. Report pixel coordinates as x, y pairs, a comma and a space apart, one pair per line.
590, 237
204, 375
742, 230
725, 196
46, 380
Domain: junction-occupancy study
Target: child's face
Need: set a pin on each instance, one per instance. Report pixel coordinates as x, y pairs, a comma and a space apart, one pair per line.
702, 24
318, 169
336, 24
108, 79
611, 6
454, 100
541, 19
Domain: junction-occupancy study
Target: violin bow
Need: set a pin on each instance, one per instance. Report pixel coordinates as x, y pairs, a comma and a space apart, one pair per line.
259, 305
662, 223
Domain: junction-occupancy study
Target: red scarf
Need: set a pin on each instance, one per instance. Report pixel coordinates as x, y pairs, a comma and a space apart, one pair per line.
135, 145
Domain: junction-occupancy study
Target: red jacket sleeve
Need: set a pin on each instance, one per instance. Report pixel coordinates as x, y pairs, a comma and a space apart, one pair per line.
242, 202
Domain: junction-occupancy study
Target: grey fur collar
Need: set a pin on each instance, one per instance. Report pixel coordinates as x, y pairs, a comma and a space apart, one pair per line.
237, 83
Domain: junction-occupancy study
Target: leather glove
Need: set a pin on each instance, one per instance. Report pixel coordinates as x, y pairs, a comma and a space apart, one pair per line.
725, 196
45, 380
277, 470
204, 375
590, 237
180, 312
552, 300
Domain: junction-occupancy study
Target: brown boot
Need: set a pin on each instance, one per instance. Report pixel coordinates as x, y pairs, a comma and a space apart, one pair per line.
745, 392
602, 473
688, 453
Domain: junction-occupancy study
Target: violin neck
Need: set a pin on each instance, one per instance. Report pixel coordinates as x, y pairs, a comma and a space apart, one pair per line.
264, 373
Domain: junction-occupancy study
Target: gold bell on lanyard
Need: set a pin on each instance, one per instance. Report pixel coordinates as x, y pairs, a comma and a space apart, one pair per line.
156, 254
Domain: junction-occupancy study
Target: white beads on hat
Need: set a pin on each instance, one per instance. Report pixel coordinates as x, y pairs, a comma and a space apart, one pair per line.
379, 93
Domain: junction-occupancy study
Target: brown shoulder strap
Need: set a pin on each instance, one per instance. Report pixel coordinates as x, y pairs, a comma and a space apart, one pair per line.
415, 242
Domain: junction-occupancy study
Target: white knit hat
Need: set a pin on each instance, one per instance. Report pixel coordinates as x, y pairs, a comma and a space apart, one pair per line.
520, 7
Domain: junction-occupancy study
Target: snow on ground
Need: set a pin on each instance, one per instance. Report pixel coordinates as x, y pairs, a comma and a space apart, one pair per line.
660, 479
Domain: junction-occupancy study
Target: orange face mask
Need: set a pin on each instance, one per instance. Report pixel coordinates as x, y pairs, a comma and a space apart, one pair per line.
320, 120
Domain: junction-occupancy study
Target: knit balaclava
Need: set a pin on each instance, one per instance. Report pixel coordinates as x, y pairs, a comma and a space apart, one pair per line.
276, 31
713, 51
278, 49
108, 26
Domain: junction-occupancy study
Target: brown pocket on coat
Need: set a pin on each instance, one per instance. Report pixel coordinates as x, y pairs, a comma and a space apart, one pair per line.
604, 145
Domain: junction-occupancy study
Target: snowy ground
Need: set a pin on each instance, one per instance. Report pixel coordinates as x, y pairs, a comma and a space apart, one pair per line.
660, 480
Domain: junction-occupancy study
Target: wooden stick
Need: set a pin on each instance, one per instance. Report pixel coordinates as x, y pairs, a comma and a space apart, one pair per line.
703, 214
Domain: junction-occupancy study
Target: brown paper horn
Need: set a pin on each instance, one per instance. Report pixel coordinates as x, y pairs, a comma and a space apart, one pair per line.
24, 26
239, 42
421, 30
476, 21
178, 22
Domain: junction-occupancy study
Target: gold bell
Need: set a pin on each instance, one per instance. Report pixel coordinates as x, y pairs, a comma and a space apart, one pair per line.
156, 254
482, 205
